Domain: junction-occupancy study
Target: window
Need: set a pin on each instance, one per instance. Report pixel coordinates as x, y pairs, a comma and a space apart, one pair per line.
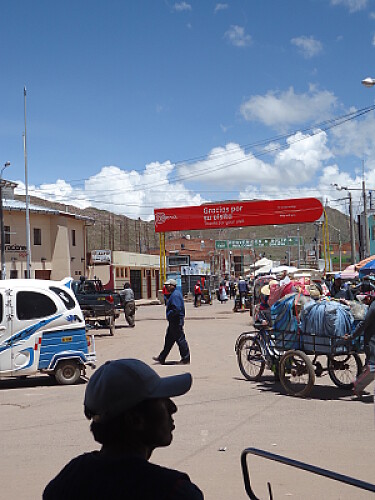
7, 235
1, 308
34, 305
37, 236
13, 274
120, 272
64, 296
74, 237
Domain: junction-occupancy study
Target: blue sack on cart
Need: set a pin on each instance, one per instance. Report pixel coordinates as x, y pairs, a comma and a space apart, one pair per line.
284, 322
321, 323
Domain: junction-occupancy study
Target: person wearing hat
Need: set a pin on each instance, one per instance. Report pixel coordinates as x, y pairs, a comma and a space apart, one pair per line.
175, 313
131, 414
264, 314
340, 291
367, 328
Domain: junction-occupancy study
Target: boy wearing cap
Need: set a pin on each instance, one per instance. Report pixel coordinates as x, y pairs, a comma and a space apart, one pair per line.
131, 413
175, 312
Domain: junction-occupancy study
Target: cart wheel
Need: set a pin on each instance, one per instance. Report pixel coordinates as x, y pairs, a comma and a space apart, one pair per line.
297, 374
250, 359
344, 369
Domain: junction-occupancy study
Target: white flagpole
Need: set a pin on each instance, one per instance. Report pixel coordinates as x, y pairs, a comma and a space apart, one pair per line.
28, 241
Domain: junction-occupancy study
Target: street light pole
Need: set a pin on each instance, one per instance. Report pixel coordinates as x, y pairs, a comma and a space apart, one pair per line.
3, 270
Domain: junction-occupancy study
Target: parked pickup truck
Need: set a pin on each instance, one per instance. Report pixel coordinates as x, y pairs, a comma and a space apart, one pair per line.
99, 306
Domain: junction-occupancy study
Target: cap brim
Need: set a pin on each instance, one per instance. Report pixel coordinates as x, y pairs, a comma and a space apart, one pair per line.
175, 385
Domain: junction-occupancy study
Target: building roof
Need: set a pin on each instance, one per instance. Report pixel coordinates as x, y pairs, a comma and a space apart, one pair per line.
18, 205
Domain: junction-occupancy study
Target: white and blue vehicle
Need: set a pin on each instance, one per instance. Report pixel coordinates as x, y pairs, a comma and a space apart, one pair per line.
42, 330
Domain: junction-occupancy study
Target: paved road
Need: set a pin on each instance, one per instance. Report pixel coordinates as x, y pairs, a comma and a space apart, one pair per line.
42, 425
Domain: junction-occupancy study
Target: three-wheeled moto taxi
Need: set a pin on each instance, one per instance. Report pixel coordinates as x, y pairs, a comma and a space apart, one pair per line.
42, 330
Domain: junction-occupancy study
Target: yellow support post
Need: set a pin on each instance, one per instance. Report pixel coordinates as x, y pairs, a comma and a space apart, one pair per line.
327, 260
163, 270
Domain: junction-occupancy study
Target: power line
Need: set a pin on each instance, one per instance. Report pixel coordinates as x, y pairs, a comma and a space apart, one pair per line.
315, 130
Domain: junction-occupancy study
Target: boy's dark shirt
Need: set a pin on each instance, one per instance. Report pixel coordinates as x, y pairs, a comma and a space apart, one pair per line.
367, 326
94, 476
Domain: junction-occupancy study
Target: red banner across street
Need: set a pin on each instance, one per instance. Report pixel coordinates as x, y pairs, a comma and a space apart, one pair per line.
241, 213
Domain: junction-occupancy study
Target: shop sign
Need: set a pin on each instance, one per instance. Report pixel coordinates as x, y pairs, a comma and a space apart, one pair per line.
101, 257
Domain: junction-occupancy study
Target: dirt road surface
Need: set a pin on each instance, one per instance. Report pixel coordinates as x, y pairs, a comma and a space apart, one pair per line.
43, 426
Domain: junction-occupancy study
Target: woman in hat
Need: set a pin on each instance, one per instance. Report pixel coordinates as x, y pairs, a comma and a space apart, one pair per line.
264, 313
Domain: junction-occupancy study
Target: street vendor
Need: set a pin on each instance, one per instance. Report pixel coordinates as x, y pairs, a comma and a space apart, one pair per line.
367, 327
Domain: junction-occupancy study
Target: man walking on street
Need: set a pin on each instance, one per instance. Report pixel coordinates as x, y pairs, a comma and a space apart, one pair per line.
242, 288
175, 312
127, 300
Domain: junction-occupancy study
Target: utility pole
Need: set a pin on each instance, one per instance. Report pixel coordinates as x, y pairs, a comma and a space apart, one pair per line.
317, 243
367, 239
352, 232
299, 248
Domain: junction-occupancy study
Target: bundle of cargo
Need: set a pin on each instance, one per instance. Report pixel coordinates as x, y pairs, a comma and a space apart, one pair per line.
322, 324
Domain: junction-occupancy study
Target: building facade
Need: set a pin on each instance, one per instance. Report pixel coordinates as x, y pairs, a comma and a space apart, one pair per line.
57, 240
140, 270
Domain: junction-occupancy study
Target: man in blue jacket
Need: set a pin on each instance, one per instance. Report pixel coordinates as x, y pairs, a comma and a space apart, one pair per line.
175, 312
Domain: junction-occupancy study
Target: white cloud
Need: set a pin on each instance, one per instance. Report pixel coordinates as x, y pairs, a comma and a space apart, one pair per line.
236, 36
233, 167
324, 188
220, 6
283, 109
182, 6
125, 192
373, 41
355, 137
307, 45
352, 5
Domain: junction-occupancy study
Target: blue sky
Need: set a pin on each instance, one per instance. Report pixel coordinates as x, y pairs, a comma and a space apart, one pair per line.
133, 105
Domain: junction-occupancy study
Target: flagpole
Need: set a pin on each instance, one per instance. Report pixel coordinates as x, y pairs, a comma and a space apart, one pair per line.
28, 242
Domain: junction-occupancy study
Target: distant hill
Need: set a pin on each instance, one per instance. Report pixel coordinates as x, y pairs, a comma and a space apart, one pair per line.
118, 232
